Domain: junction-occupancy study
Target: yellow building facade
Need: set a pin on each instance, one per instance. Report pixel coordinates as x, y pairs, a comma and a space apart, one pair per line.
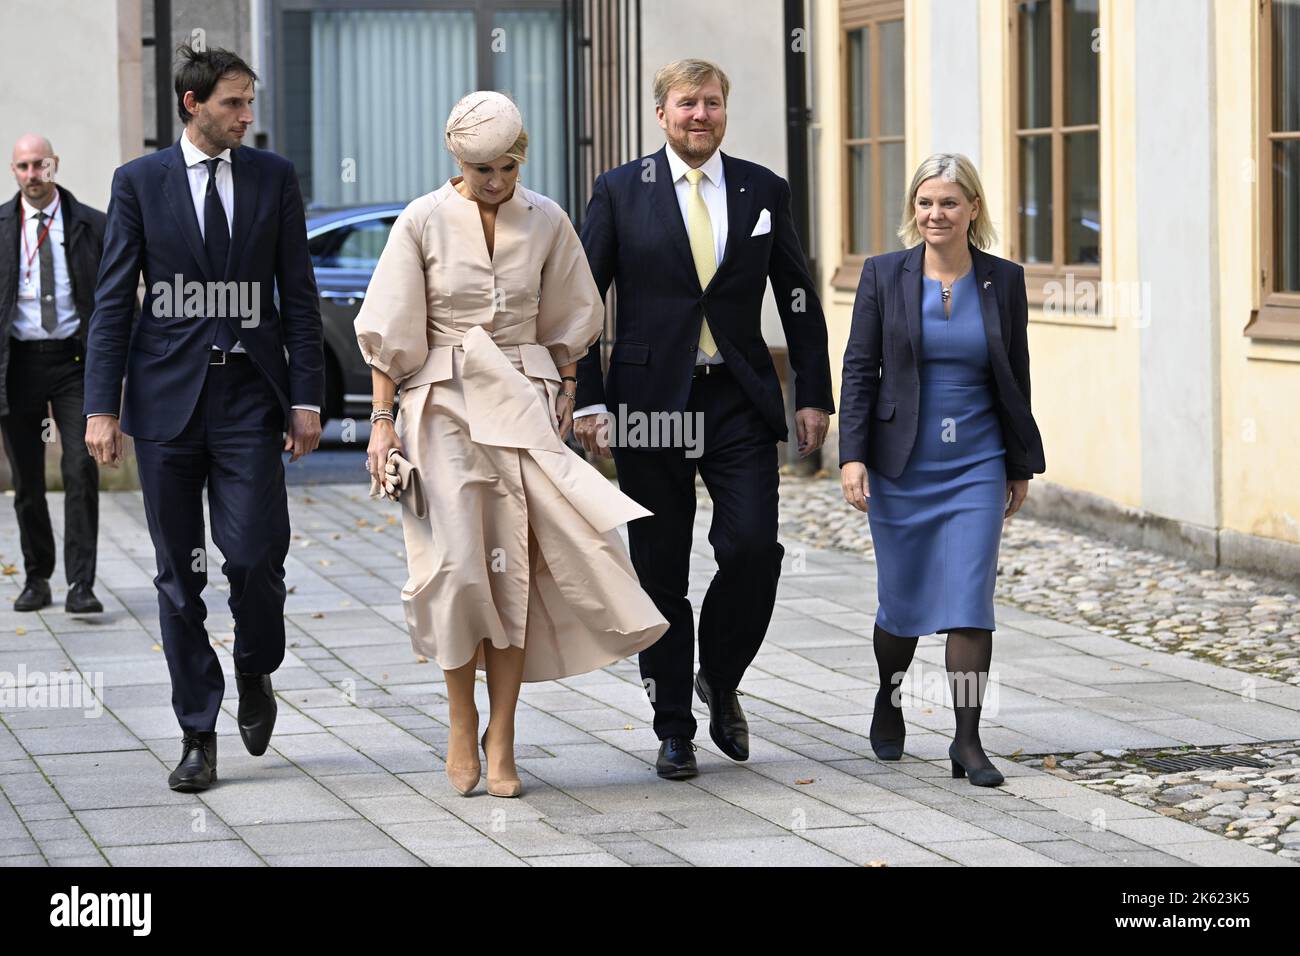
1165, 360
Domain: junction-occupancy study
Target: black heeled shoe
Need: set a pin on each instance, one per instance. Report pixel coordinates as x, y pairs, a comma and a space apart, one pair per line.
979, 776
886, 748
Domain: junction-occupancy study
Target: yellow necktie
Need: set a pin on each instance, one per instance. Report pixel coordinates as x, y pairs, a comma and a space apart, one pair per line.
700, 230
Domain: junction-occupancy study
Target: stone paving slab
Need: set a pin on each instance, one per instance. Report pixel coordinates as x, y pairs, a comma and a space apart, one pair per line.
354, 774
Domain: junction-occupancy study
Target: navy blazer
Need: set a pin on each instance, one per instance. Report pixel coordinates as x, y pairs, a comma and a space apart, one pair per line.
880, 392
634, 235
152, 227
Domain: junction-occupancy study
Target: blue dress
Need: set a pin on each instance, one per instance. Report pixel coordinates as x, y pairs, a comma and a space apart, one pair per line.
936, 528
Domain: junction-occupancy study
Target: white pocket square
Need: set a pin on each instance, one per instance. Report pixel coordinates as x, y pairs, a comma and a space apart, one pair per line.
764, 224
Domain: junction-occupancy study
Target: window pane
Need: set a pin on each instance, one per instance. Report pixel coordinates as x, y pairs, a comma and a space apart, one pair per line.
1082, 197
860, 211
859, 89
1080, 62
1035, 65
889, 36
893, 187
1286, 212
1035, 210
363, 244
356, 246
1286, 65
378, 79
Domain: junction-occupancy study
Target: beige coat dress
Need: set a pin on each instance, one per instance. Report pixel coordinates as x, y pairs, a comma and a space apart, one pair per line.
520, 546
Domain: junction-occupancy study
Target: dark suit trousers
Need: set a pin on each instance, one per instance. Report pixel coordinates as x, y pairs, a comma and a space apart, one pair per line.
233, 445
739, 469
40, 378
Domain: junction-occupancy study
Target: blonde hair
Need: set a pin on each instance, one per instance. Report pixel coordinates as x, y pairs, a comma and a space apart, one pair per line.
519, 150
952, 168
691, 74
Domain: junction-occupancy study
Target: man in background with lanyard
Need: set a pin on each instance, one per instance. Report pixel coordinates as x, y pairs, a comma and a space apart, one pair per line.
51, 247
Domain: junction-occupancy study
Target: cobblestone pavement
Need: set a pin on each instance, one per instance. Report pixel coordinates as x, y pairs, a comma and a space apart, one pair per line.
354, 774
1251, 795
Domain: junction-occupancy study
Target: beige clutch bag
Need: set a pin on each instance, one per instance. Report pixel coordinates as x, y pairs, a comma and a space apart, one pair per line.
400, 478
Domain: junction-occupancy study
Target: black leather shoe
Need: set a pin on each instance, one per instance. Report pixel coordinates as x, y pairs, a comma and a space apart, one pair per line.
727, 724
36, 595
81, 600
256, 711
198, 767
676, 759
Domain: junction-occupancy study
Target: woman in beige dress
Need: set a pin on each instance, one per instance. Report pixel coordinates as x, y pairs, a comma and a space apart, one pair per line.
480, 306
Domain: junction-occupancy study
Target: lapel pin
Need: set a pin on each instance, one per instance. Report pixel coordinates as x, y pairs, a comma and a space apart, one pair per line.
987, 283
742, 189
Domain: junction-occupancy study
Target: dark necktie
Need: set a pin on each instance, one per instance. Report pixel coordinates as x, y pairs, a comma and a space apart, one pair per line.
216, 240
49, 312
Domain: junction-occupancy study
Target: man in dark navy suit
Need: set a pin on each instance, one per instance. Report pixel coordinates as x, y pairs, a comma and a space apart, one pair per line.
691, 237
218, 383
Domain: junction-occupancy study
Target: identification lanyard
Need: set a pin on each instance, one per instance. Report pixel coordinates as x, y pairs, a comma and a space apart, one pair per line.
29, 259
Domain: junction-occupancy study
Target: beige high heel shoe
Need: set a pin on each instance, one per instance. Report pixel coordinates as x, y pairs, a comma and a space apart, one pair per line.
502, 786
464, 779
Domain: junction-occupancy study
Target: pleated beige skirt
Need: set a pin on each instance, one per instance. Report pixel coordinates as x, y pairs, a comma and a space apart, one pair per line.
517, 547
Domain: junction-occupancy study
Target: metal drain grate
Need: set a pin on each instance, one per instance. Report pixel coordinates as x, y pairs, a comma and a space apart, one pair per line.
1201, 762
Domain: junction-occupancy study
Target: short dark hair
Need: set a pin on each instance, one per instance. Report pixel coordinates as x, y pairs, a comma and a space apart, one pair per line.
201, 70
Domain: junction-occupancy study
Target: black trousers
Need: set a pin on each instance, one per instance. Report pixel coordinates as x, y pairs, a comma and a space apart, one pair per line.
739, 467
46, 376
233, 444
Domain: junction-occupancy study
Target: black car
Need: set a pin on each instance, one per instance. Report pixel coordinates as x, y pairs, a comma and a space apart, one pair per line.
345, 245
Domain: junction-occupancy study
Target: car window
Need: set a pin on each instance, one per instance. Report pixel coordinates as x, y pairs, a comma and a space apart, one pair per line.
356, 245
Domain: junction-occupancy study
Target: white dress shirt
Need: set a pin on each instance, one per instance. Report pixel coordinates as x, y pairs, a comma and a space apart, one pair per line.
198, 177
713, 190
27, 319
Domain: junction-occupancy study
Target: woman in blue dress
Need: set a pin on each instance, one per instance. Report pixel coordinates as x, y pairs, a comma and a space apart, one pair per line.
938, 442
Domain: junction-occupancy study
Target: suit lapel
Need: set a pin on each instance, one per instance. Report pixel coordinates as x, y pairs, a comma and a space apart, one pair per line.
663, 195
995, 332
912, 297
989, 310
740, 200
11, 217
176, 187
247, 183
73, 221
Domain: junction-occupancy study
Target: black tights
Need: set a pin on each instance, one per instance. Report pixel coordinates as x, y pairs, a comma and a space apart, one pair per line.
893, 657
967, 656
